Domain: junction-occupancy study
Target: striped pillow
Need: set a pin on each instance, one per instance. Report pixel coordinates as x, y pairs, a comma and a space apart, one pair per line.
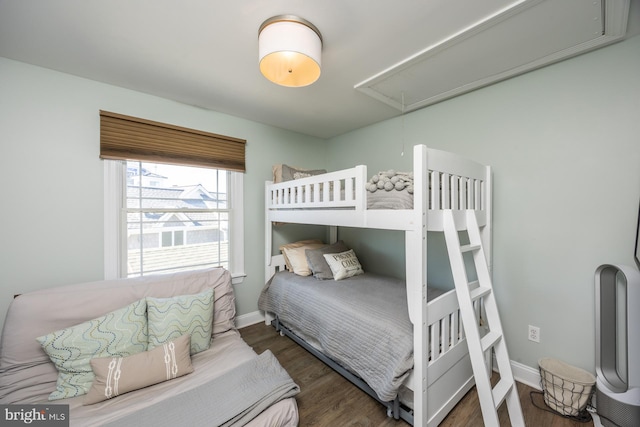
122, 332
170, 318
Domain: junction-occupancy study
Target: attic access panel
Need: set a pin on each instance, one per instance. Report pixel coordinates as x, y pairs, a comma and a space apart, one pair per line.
527, 35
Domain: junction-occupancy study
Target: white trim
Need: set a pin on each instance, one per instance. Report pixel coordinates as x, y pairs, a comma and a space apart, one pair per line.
523, 374
113, 175
249, 319
238, 278
236, 238
526, 375
492, 29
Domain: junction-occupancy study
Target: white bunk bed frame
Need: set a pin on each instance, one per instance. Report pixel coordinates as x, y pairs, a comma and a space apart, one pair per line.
442, 372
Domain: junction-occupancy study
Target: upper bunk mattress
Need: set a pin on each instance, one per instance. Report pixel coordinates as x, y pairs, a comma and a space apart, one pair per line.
390, 199
361, 322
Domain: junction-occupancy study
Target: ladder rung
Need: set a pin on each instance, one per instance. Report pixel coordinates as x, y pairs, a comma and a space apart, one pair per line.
500, 391
490, 340
469, 248
479, 292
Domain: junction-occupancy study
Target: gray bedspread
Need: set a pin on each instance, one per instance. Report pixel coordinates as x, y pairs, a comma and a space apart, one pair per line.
232, 399
361, 322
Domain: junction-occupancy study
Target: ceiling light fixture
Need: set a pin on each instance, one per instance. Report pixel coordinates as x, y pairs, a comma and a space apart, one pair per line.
289, 49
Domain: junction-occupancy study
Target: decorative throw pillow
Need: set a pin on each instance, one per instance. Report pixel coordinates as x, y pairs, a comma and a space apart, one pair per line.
277, 173
344, 264
305, 244
184, 314
122, 332
118, 375
318, 264
298, 259
289, 173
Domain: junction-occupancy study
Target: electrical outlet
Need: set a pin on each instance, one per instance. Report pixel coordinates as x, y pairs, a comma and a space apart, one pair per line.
534, 333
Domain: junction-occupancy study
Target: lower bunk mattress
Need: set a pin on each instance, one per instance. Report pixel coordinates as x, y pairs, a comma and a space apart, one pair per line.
362, 323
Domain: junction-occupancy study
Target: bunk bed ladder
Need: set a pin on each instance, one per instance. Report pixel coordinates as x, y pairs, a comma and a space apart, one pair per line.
505, 390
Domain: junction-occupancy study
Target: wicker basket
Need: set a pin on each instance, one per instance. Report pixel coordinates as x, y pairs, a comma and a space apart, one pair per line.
567, 389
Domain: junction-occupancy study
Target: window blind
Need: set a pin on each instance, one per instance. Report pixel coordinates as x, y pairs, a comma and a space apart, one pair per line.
131, 138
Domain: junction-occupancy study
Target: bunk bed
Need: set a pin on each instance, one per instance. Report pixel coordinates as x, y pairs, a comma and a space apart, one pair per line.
441, 372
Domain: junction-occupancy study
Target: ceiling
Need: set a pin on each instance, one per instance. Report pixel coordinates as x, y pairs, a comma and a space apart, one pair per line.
379, 59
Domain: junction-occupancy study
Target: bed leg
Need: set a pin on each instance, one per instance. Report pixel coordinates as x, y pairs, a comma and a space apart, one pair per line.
396, 408
276, 324
393, 408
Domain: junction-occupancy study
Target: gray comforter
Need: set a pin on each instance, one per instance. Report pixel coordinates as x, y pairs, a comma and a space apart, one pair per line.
232, 399
361, 322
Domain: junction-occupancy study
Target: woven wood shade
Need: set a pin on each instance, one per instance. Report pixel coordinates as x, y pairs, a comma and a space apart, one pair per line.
130, 138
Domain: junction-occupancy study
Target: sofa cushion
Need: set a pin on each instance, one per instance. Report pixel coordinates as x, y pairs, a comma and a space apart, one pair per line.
118, 375
121, 333
172, 317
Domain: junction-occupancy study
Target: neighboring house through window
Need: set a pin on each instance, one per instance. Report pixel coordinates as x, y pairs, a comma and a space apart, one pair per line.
176, 225
184, 218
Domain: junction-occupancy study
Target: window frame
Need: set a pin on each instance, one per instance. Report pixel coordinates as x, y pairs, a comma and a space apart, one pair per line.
114, 217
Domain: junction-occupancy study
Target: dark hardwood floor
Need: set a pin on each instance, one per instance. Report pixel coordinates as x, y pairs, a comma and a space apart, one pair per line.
327, 399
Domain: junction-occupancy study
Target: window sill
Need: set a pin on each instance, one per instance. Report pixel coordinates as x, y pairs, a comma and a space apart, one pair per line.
237, 278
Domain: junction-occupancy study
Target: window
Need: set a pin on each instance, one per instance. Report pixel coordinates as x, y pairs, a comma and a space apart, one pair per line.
166, 218
161, 217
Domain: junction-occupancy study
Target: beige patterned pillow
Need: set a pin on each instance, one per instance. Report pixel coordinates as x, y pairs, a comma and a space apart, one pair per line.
118, 375
298, 258
283, 173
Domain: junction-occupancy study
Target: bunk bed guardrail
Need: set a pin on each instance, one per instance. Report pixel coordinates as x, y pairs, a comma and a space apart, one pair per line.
340, 189
451, 183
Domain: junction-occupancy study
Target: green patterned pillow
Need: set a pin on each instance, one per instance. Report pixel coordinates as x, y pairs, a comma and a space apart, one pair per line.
185, 314
121, 333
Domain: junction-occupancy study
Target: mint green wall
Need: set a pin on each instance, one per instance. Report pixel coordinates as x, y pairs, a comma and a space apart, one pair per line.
564, 143
52, 178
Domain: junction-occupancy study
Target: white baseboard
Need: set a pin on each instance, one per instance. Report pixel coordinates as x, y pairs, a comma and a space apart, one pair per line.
524, 374
249, 319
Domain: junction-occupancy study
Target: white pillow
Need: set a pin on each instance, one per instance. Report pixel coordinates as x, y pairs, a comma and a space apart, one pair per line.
344, 264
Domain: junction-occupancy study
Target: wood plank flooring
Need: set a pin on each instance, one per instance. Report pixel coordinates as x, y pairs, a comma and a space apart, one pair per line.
327, 399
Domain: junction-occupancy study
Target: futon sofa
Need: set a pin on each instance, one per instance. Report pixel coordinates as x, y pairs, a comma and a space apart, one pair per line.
38, 336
